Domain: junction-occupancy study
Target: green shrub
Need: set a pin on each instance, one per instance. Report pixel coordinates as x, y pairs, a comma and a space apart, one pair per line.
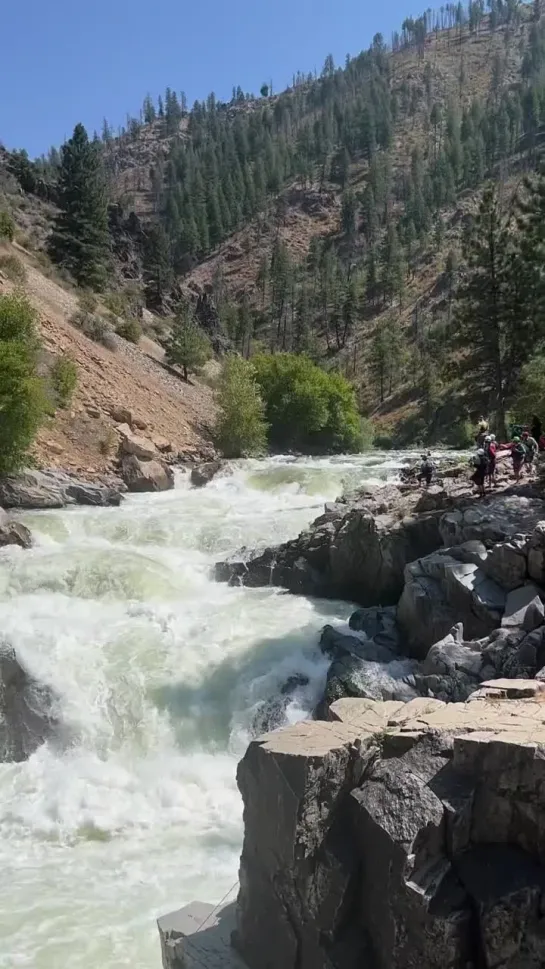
129, 329
13, 268
240, 429
64, 378
530, 398
368, 433
383, 441
23, 402
306, 408
7, 226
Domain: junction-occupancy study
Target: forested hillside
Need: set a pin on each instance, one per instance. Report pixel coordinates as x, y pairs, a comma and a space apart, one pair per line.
331, 219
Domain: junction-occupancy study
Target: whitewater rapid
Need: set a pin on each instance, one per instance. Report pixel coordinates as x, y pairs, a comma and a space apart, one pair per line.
162, 677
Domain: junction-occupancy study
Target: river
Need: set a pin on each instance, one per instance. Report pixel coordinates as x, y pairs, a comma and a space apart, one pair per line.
161, 675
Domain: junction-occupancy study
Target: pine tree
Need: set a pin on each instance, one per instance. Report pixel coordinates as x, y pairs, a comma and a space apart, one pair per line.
187, 346
348, 213
487, 321
158, 275
80, 240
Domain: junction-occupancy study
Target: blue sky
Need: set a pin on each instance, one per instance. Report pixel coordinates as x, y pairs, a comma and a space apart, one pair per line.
65, 61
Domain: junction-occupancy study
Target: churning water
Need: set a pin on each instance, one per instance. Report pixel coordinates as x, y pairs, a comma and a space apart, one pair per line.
162, 676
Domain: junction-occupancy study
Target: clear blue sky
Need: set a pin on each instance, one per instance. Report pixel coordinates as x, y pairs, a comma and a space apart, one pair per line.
65, 61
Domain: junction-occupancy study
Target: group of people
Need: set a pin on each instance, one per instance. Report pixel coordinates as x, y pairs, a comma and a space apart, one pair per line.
523, 447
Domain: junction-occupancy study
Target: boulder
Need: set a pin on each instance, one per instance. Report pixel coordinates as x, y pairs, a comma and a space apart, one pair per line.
121, 415
162, 444
141, 475
524, 609
134, 445
203, 474
441, 591
27, 709
378, 623
53, 489
14, 533
361, 667
536, 554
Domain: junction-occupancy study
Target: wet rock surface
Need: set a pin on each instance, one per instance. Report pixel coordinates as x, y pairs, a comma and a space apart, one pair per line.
27, 717
54, 489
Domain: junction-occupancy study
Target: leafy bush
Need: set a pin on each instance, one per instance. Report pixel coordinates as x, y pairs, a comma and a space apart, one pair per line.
368, 433
306, 408
13, 268
240, 430
7, 226
87, 301
22, 399
187, 346
129, 329
64, 378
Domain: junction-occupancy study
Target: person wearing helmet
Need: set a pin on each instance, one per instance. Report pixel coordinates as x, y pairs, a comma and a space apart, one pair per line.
480, 464
518, 454
490, 449
531, 447
426, 469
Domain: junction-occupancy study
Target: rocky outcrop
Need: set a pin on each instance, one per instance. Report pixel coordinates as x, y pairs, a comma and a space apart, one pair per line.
396, 836
357, 550
54, 489
140, 476
27, 717
203, 474
13, 533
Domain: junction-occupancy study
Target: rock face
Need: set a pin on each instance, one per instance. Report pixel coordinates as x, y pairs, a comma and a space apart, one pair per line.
203, 474
13, 533
53, 489
27, 717
397, 836
142, 476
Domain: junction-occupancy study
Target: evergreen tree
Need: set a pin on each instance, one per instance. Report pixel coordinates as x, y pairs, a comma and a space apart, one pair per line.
80, 240
487, 319
158, 274
187, 346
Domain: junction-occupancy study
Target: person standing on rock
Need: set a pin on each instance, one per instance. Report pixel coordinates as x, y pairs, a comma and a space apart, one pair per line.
531, 448
482, 431
480, 464
518, 454
426, 470
490, 448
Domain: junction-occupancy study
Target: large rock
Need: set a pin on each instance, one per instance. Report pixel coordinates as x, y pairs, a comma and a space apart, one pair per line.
134, 445
397, 836
203, 474
27, 709
53, 489
362, 667
439, 592
142, 476
536, 554
14, 533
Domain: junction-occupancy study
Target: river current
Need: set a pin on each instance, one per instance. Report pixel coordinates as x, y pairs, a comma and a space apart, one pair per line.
162, 676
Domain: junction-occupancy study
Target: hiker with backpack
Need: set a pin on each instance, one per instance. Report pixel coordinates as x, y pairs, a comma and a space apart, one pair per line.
490, 450
479, 462
531, 447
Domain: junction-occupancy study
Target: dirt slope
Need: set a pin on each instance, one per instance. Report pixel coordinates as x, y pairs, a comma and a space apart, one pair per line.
83, 437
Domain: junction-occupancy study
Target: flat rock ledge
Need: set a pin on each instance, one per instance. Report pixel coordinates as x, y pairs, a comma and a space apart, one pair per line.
395, 835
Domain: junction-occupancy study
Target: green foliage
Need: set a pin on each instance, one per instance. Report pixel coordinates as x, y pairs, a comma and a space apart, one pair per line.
187, 346
22, 399
130, 329
13, 267
368, 434
240, 429
530, 394
306, 408
7, 226
64, 379
80, 241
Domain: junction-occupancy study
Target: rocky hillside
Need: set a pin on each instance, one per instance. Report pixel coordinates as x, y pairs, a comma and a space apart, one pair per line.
116, 384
